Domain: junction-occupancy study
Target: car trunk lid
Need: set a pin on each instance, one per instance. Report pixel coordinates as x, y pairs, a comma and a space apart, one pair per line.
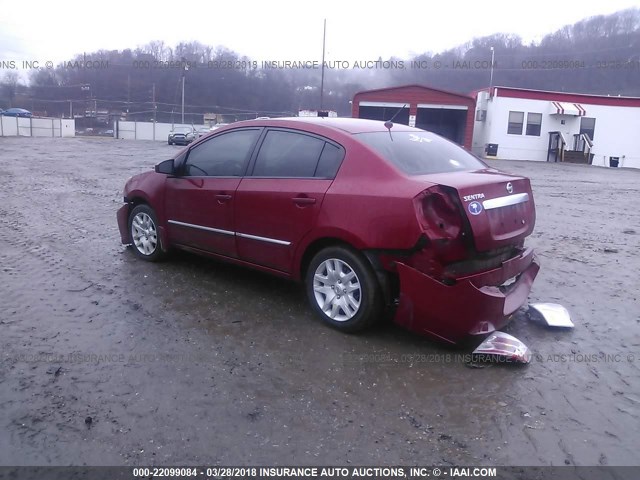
498, 206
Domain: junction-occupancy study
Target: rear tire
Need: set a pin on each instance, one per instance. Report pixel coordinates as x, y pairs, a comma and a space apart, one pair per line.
145, 238
343, 290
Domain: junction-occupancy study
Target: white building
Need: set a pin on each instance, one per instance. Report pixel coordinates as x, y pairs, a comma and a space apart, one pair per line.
317, 113
522, 124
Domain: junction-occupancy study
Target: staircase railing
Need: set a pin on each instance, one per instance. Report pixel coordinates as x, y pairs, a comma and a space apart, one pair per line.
583, 143
557, 147
562, 145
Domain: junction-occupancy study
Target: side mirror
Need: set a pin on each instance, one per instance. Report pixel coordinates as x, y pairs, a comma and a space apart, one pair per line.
166, 167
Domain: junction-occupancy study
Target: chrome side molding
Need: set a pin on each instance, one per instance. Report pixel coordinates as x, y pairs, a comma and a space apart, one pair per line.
200, 227
228, 232
263, 239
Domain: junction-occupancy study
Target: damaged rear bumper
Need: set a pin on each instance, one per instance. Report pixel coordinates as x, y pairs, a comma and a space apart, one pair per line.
471, 306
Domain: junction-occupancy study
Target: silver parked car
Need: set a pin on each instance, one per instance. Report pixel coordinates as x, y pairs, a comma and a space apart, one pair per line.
202, 131
181, 136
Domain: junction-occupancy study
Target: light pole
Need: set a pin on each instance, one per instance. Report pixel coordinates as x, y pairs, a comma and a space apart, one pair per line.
182, 97
184, 71
491, 75
324, 36
153, 99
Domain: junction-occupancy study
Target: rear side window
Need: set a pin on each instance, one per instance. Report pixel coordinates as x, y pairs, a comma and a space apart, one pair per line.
330, 161
420, 152
225, 155
292, 154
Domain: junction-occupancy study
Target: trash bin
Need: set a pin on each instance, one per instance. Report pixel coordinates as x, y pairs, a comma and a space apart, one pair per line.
492, 149
614, 161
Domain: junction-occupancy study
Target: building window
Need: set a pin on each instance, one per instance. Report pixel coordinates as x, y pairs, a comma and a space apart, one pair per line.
516, 119
534, 122
588, 126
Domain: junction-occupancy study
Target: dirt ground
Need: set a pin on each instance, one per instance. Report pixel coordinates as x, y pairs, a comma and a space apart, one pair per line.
108, 360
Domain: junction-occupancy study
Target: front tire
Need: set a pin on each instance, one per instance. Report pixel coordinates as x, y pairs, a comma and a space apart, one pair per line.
145, 238
343, 290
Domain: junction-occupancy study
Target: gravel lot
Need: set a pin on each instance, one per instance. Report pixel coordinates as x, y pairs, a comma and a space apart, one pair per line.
108, 360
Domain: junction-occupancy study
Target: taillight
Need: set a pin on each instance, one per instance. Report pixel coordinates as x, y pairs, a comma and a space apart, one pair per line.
442, 221
439, 214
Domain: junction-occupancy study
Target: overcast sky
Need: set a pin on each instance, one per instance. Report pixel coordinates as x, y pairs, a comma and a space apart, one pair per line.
278, 30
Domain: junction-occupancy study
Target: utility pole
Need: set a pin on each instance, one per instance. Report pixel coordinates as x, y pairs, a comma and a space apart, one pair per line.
324, 37
153, 96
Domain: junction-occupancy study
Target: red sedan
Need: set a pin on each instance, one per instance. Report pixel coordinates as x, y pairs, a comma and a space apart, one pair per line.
371, 216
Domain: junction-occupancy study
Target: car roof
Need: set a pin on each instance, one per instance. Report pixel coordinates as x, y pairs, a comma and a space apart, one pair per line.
348, 125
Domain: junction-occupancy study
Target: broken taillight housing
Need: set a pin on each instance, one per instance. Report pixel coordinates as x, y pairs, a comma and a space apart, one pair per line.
441, 218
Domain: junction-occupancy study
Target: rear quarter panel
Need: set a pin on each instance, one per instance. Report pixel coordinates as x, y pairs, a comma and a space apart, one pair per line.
370, 204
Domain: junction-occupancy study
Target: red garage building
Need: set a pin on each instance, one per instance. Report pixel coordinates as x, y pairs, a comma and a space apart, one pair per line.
446, 113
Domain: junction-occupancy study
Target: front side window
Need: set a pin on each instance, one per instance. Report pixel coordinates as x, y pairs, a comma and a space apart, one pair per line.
534, 123
225, 155
288, 154
516, 119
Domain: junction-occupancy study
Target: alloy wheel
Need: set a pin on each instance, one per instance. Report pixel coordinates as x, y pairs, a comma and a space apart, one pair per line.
144, 234
337, 289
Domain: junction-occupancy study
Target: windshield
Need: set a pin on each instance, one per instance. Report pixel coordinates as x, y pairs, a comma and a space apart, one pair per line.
182, 130
420, 152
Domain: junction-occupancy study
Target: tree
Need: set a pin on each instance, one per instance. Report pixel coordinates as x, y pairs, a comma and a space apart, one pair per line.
10, 86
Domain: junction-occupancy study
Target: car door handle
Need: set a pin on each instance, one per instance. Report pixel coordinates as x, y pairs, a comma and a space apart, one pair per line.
302, 201
223, 197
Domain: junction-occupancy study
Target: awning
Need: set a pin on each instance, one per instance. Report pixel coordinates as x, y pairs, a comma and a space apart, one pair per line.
563, 108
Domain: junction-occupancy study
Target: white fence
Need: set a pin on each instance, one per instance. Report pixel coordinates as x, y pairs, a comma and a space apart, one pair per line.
146, 130
37, 127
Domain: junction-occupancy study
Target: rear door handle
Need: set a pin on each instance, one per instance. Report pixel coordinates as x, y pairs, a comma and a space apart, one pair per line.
223, 197
303, 201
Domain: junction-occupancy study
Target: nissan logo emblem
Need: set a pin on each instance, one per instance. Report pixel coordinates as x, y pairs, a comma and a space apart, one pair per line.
509, 187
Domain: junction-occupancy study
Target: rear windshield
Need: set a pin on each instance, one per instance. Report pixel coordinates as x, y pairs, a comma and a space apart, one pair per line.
420, 153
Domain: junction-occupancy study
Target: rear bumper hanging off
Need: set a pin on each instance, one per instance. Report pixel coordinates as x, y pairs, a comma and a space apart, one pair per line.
469, 307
